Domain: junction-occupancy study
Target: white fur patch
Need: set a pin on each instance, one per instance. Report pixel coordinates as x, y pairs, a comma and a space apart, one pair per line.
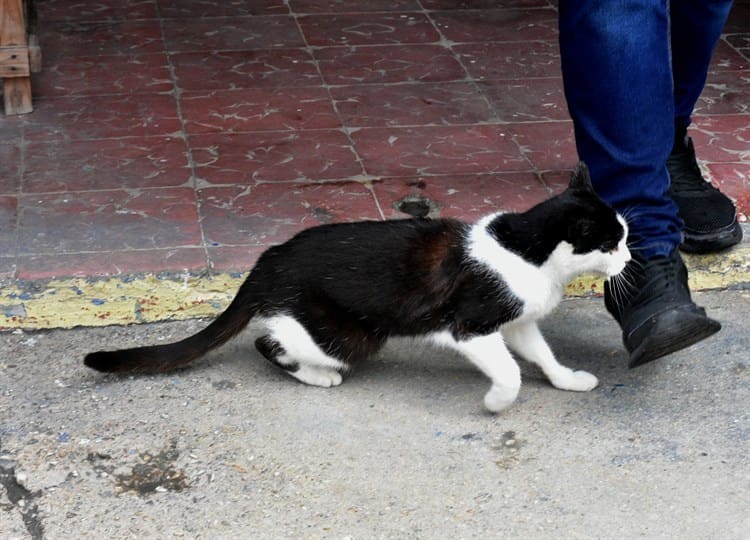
534, 286
315, 366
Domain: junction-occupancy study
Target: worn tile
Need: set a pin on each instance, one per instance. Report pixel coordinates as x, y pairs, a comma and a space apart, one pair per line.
726, 92
497, 25
108, 221
369, 29
411, 104
726, 57
91, 75
733, 179
388, 64
258, 109
220, 8
226, 70
514, 60
344, 6
527, 100
273, 156
740, 43
234, 258
261, 32
547, 145
8, 220
466, 197
10, 168
11, 128
102, 116
722, 139
96, 11
437, 150
111, 263
64, 40
129, 163
482, 4
267, 214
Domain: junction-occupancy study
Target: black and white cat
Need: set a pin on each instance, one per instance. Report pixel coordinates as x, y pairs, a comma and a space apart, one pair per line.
333, 294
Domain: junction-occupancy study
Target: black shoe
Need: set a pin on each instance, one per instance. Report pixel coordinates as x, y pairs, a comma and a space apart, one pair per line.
710, 217
653, 306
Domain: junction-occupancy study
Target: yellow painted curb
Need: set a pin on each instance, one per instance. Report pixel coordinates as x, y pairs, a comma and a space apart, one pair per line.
66, 303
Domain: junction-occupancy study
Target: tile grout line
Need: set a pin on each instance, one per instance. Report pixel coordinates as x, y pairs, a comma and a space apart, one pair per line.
344, 129
177, 93
19, 207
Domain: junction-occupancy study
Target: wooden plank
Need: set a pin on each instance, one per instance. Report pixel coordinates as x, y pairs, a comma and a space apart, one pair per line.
12, 24
14, 62
16, 90
17, 95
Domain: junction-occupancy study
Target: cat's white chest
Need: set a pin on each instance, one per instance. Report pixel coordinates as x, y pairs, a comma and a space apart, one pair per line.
529, 283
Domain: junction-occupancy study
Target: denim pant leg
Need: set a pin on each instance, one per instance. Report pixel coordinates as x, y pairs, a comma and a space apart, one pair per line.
617, 77
696, 28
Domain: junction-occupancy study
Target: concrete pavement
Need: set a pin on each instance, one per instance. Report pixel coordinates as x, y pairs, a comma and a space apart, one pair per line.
232, 448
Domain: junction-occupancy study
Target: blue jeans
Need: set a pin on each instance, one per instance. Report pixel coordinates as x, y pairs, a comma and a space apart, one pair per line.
632, 72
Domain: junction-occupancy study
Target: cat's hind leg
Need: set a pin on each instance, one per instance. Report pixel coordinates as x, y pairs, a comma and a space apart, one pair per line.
290, 346
527, 340
489, 354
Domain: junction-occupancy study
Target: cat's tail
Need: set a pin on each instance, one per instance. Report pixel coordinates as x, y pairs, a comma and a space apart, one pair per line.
171, 356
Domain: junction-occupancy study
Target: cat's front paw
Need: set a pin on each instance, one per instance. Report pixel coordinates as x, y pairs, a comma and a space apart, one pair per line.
499, 398
576, 381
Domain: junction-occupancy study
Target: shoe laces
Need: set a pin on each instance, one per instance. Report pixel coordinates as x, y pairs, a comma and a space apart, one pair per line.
684, 172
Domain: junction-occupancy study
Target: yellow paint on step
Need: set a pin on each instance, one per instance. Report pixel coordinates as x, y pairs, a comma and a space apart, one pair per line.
85, 302
67, 303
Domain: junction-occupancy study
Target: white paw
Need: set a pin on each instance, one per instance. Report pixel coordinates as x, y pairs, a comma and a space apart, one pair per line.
499, 398
575, 381
318, 376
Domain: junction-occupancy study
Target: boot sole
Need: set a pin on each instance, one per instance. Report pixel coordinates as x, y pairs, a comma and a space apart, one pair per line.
694, 242
671, 331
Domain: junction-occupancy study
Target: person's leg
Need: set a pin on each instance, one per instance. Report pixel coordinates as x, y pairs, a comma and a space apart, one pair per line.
617, 75
618, 85
696, 29
709, 217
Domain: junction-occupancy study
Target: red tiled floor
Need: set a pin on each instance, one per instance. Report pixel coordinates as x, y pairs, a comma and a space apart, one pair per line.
132, 162
437, 150
271, 213
141, 219
258, 109
191, 134
70, 39
225, 70
88, 75
220, 33
467, 197
388, 64
411, 104
375, 29
97, 117
244, 159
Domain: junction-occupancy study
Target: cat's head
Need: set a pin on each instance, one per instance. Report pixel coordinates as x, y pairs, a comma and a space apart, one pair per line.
594, 235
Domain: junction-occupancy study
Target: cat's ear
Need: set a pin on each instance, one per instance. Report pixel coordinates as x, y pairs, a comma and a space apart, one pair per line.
581, 179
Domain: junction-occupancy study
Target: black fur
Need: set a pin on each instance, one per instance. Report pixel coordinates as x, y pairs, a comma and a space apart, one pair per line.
353, 285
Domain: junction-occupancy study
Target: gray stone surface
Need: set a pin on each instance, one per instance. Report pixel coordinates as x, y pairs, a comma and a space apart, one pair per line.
232, 448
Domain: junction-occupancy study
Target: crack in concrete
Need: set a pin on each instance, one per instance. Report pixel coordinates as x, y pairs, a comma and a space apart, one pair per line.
22, 499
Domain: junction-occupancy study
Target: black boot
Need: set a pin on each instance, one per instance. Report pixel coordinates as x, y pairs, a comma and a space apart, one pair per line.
653, 306
710, 217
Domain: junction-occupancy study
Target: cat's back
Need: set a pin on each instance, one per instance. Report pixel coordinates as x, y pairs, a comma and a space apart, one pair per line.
384, 256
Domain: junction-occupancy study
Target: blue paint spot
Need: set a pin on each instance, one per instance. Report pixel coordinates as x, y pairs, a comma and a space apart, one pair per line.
98, 301
63, 437
25, 296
